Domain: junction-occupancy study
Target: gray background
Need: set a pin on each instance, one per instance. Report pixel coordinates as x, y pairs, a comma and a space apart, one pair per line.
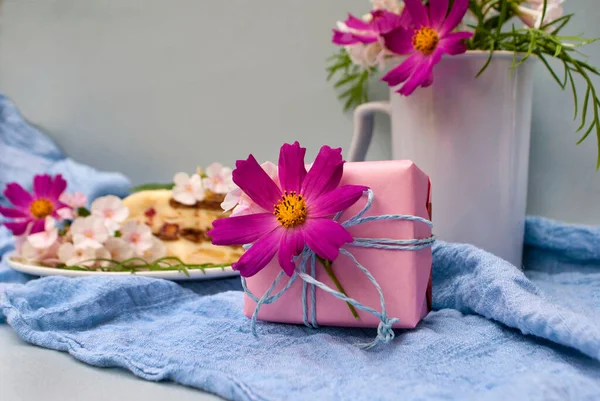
151, 87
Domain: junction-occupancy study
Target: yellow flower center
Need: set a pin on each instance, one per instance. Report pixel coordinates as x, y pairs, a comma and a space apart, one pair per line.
40, 208
425, 40
290, 210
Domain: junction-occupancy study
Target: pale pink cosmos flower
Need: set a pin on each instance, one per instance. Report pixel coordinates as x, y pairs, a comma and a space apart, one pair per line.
188, 190
138, 236
362, 38
89, 232
111, 210
394, 6
218, 179
532, 16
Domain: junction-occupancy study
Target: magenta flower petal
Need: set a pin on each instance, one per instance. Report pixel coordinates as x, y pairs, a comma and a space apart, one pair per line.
58, 187
405, 18
423, 74
437, 13
325, 237
457, 13
418, 12
348, 38
17, 227
335, 201
399, 41
453, 43
452, 47
18, 196
13, 213
420, 75
259, 254
292, 244
383, 21
325, 173
356, 23
343, 38
255, 182
291, 167
402, 72
42, 184
428, 80
38, 226
240, 230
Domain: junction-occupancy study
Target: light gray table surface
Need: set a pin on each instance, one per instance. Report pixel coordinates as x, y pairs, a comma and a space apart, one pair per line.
30, 373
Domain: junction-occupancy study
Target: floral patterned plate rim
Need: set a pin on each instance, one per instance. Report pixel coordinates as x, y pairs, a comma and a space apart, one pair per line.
173, 275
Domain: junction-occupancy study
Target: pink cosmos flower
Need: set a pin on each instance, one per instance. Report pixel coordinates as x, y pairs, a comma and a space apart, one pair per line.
296, 215
428, 37
31, 209
354, 30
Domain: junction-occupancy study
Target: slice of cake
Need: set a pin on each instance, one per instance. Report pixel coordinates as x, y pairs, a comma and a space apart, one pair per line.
181, 217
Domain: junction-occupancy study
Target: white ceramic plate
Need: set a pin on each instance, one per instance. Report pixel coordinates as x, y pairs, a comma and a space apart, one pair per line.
173, 275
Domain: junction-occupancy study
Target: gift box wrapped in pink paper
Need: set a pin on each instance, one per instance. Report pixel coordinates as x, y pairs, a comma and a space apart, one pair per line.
337, 244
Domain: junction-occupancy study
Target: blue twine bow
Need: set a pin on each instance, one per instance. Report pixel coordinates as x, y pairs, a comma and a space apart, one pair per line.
385, 333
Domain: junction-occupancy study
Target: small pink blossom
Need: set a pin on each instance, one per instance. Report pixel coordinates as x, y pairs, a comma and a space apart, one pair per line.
156, 251
44, 256
89, 232
532, 16
188, 190
44, 239
119, 249
74, 200
393, 6
73, 256
138, 236
218, 179
111, 210
66, 213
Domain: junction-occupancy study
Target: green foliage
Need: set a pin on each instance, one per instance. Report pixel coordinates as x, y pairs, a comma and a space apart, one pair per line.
134, 265
351, 80
545, 43
83, 212
152, 186
493, 27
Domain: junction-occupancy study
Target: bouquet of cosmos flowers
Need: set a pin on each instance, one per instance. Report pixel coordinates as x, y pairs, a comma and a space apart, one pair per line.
406, 39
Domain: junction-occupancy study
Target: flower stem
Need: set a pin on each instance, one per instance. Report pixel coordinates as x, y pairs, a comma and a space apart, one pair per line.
327, 266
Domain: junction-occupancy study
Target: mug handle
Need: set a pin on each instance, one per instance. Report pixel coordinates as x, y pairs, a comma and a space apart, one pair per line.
364, 116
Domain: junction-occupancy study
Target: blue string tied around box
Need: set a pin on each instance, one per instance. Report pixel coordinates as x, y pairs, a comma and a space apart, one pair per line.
306, 271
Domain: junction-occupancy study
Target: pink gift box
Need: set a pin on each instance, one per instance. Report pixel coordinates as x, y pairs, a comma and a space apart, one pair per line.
400, 187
